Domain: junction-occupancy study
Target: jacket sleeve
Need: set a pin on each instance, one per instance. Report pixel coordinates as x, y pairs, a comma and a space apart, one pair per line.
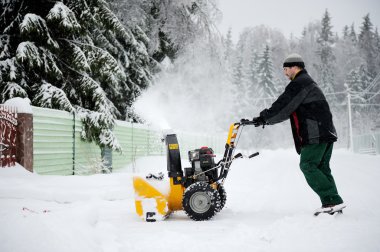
286, 103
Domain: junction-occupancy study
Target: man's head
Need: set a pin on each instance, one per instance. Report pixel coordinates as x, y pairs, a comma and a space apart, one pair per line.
292, 65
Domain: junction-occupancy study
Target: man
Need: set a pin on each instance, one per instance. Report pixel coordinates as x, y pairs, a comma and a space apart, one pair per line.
313, 130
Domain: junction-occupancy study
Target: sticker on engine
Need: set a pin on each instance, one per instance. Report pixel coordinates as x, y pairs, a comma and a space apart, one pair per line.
173, 147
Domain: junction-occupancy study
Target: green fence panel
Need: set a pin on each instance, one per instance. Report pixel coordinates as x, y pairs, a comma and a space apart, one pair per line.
87, 155
59, 149
139, 142
156, 145
124, 133
52, 141
368, 143
136, 141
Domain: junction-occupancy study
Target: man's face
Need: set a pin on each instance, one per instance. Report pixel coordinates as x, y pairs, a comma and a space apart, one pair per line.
289, 72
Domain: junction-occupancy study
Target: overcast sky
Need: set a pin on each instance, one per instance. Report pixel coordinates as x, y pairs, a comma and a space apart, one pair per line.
291, 16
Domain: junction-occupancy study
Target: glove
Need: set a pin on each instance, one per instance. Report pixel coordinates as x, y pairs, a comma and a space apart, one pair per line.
244, 121
258, 121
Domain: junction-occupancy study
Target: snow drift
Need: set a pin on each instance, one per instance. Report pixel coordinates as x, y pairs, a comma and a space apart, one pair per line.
269, 208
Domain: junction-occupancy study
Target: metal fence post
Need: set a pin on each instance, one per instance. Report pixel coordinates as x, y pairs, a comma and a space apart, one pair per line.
73, 143
133, 151
147, 141
351, 138
106, 154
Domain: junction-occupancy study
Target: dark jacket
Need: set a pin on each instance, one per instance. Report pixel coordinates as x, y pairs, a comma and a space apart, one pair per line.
306, 106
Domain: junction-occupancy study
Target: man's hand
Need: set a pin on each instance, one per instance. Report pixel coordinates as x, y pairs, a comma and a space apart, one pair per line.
245, 121
258, 121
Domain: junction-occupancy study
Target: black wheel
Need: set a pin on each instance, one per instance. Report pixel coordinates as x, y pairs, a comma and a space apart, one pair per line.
200, 201
223, 197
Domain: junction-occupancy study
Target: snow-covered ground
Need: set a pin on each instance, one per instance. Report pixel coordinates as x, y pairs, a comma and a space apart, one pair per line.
269, 208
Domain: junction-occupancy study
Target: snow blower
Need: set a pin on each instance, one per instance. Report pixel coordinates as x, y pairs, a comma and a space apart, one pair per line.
198, 190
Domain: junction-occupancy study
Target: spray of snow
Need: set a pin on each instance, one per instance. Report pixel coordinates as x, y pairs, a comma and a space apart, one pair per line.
191, 95
147, 107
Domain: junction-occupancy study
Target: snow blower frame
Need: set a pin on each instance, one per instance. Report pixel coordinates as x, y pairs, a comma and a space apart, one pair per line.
198, 190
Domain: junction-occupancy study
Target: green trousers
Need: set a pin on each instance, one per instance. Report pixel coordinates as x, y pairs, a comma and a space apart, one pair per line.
315, 165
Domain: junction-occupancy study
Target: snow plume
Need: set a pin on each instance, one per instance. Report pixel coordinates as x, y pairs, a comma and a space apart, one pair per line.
192, 94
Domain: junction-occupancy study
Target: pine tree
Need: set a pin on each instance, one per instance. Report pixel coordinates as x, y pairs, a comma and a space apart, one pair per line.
346, 32
347, 58
254, 90
326, 67
377, 40
357, 81
228, 44
170, 25
239, 87
12, 80
237, 74
377, 49
326, 35
92, 65
352, 35
367, 44
352, 80
265, 75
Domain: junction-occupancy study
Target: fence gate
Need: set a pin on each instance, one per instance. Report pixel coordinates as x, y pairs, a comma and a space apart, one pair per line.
8, 129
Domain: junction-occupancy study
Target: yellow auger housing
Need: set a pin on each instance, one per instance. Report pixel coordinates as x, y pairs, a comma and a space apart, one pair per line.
156, 199
154, 204
198, 189
150, 202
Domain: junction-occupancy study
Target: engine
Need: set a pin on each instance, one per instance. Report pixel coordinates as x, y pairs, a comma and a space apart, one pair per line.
202, 160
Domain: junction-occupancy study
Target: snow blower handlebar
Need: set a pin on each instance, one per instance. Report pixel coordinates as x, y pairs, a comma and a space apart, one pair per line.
245, 122
232, 141
174, 166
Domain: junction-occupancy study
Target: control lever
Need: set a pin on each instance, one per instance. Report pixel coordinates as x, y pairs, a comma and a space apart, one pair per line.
253, 155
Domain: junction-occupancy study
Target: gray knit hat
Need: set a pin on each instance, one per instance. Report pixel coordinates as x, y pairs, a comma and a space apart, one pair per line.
294, 59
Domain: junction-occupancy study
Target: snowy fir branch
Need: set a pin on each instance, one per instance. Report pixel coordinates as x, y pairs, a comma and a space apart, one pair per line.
11, 90
79, 60
27, 52
111, 21
4, 47
92, 130
63, 17
102, 104
16, 10
8, 66
34, 27
37, 57
49, 96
